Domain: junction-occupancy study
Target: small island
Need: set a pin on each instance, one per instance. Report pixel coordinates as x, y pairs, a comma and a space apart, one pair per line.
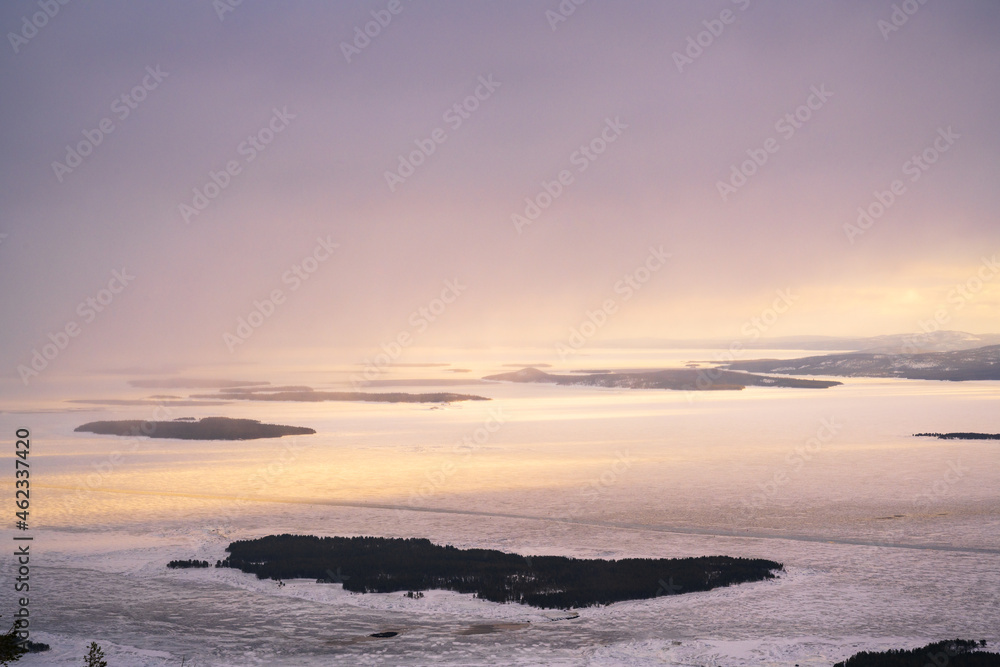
208, 428
959, 436
387, 565
954, 653
185, 564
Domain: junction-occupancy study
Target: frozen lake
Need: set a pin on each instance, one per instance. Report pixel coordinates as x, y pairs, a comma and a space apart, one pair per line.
888, 540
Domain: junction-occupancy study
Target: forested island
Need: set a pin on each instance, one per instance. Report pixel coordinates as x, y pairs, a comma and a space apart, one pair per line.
207, 428
386, 565
959, 436
954, 653
683, 379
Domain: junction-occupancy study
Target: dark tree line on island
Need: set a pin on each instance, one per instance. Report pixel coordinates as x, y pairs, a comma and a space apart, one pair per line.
954, 653
184, 564
959, 436
13, 644
386, 565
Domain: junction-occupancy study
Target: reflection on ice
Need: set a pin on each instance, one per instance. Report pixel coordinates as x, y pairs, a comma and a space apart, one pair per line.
884, 543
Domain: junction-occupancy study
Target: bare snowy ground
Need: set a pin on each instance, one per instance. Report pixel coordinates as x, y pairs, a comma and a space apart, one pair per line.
832, 601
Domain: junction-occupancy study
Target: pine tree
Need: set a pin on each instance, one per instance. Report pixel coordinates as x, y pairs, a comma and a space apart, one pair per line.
95, 658
10, 649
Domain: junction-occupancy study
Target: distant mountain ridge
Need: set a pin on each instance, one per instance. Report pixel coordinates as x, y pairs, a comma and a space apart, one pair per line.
982, 363
911, 343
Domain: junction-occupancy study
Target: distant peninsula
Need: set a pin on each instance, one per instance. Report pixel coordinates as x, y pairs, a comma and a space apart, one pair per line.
959, 436
207, 428
981, 363
192, 383
308, 395
386, 565
689, 379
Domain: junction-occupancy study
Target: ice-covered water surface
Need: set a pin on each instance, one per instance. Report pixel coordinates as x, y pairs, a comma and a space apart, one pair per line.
888, 540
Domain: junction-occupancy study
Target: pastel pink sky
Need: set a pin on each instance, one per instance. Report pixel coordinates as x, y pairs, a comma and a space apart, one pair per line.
323, 176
